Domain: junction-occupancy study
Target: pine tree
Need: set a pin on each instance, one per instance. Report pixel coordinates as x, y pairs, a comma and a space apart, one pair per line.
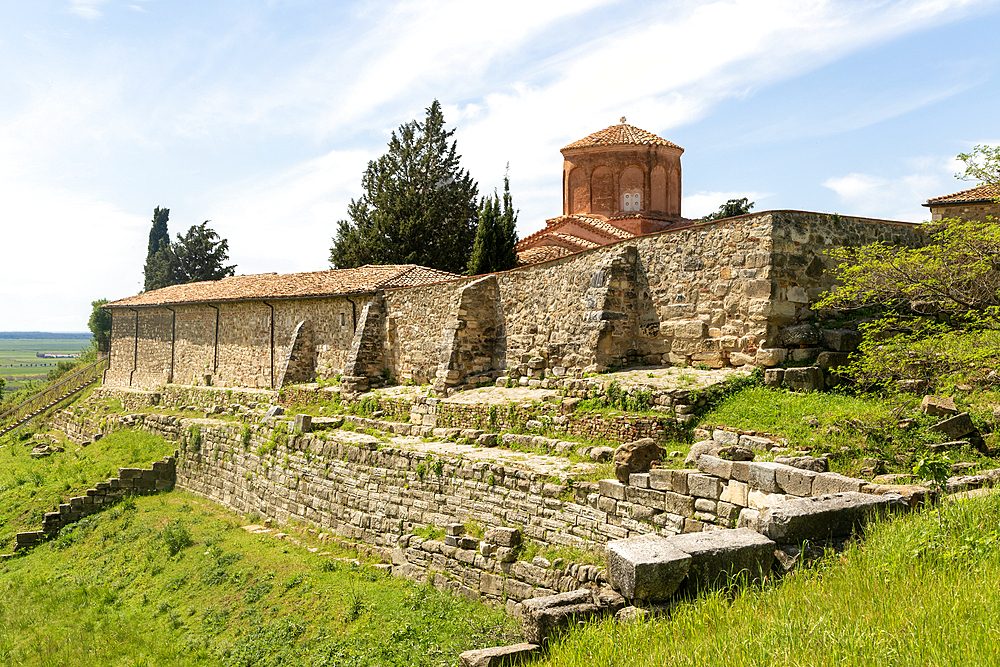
156, 272
496, 235
199, 255
419, 205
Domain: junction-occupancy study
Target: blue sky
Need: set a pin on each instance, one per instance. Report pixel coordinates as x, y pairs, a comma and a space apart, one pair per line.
261, 116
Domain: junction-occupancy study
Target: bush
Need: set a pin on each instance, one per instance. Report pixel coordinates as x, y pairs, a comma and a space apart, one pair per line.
176, 536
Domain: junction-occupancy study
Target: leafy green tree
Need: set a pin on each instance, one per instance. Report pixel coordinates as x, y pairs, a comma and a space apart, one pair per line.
100, 320
731, 209
419, 205
496, 235
936, 307
157, 269
199, 255
982, 164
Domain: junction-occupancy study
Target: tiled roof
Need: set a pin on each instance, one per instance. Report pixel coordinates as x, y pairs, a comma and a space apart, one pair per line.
621, 134
361, 280
542, 253
977, 194
575, 241
598, 225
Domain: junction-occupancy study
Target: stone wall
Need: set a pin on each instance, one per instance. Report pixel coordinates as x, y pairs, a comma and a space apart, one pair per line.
714, 293
369, 491
231, 344
130, 481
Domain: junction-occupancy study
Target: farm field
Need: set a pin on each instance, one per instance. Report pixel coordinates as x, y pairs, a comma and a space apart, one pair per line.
19, 363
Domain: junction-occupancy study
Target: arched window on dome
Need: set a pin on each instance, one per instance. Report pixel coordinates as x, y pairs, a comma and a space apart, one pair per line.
632, 200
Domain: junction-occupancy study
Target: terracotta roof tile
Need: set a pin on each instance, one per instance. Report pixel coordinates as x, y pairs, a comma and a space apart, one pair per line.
361, 280
621, 134
977, 194
541, 253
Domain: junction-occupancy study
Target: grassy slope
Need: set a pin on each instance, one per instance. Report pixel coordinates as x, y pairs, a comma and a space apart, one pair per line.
30, 487
919, 591
829, 422
110, 591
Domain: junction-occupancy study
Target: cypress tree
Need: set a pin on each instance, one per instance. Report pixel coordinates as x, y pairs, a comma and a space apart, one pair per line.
156, 272
496, 235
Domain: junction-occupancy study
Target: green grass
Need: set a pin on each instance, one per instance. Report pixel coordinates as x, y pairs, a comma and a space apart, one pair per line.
918, 591
173, 580
30, 487
830, 422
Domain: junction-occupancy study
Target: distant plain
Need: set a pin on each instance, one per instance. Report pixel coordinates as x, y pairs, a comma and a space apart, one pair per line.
19, 362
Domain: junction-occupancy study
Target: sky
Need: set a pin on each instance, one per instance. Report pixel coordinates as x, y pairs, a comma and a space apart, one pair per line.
261, 116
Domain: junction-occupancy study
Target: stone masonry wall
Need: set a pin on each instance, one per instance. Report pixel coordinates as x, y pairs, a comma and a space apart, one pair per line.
366, 490
713, 293
322, 331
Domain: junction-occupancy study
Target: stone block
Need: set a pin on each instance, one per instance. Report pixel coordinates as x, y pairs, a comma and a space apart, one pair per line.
955, 427
740, 471
704, 486
831, 482
690, 329
702, 447
499, 656
646, 568
804, 354
679, 481
612, 488
755, 443
795, 481
544, 616
639, 480
938, 406
762, 477
820, 518
770, 356
800, 334
725, 438
828, 360
759, 500
454, 529
735, 493
774, 377
711, 465
661, 479
806, 378
813, 463
720, 558
303, 423
841, 340
676, 503
503, 537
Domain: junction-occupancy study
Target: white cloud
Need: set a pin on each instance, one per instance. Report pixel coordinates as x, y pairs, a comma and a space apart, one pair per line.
899, 198
64, 250
88, 9
285, 223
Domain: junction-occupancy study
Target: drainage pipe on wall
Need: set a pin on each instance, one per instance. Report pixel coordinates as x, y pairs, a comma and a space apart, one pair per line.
215, 350
135, 353
272, 341
173, 338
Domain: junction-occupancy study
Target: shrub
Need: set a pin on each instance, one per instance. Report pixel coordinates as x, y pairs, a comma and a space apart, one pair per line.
176, 537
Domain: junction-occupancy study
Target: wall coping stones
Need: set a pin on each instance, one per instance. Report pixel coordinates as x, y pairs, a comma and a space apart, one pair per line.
824, 517
499, 656
646, 567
